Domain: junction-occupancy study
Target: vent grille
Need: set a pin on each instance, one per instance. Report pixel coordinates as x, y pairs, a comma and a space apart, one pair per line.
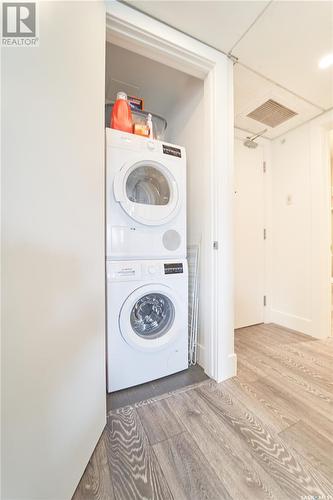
272, 113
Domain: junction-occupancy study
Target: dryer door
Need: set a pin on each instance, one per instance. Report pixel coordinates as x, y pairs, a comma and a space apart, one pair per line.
147, 191
149, 318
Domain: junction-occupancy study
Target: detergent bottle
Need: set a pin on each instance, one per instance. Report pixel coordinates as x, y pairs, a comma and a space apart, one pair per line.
121, 117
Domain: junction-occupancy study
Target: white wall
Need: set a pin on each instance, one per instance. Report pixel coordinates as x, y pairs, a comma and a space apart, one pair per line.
53, 355
159, 85
185, 124
300, 229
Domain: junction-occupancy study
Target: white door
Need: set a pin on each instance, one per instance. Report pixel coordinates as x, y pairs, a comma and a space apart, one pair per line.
249, 235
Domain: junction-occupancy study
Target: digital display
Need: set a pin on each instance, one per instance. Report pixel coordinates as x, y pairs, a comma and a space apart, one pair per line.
173, 268
172, 151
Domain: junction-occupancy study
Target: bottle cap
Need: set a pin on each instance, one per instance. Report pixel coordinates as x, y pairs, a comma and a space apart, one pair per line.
121, 95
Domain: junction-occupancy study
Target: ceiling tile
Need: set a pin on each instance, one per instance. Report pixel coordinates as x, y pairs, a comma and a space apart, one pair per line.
217, 23
286, 44
251, 91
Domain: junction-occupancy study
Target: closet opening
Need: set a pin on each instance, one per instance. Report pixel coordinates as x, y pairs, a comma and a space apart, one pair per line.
175, 101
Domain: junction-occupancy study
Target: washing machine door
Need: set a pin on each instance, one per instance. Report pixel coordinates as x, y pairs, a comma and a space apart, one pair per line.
149, 318
147, 191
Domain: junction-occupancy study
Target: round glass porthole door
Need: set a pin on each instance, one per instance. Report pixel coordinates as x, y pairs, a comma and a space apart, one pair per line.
149, 317
147, 191
147, 185
152, 316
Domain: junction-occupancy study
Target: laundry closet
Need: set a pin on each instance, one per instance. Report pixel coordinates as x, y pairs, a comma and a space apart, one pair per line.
175, 100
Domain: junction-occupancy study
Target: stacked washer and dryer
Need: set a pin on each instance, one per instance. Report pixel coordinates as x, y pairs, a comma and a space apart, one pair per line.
147, 278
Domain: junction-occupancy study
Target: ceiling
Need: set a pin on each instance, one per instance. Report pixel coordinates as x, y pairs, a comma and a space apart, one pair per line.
278, 45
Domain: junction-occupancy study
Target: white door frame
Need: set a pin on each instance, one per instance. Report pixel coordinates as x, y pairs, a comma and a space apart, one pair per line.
139, 33
321, 225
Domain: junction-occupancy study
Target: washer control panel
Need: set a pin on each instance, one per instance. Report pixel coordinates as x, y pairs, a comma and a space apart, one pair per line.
174, 268
140, 270
123, 271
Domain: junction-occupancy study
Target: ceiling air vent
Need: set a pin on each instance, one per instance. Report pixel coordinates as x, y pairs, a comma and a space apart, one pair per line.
272, 113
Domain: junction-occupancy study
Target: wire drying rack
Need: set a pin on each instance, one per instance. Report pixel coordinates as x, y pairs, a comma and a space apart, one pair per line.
193, 255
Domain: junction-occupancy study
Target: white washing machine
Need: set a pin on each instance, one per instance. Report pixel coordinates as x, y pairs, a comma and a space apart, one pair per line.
147, 336
145, 198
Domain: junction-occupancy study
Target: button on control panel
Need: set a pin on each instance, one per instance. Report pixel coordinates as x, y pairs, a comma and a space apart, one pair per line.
174, 268
152, 269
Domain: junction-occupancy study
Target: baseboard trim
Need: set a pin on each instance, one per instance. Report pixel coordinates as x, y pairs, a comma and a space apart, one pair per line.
201, 356
303, 325
228, 365
229, 368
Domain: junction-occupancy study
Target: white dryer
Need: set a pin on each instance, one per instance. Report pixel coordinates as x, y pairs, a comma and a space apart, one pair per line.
145, 198
147, 335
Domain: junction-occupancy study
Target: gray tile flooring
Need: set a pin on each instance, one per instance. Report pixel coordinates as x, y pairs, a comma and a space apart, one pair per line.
192, 375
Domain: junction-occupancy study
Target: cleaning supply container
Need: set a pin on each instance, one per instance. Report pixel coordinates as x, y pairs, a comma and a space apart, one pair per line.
121, 116
140, 120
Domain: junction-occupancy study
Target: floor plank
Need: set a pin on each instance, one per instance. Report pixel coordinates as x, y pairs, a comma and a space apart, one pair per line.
187, 470
284, 333
321, 376
232, 462
96, 483
272, 335
323, 350
312, 445
294, 475
273, 369
297, 404
135, 472
277, 416
159, 421
306, 354
245, 374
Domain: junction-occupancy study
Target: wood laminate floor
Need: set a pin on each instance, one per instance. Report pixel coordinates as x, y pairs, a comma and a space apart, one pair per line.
265, 434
